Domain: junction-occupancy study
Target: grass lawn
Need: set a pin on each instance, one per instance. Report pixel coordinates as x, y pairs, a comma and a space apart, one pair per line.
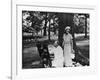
31, 57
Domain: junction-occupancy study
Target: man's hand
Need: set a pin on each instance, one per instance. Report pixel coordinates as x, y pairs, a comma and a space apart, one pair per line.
73, 51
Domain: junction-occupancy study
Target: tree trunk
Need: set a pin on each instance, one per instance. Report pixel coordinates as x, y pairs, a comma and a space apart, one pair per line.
61, 28
85, 27
54, 30
49, 31
45, 27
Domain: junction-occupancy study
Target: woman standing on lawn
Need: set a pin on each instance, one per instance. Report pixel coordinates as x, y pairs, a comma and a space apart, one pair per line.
68, 47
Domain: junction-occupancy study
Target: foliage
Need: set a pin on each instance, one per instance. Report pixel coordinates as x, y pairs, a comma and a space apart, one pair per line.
34, 21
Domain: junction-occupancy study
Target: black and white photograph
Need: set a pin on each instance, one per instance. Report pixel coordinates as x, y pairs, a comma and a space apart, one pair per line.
50, 40
55, 39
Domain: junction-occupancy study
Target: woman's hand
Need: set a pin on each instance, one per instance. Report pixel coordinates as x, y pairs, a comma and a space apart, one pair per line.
72, 54
63, 44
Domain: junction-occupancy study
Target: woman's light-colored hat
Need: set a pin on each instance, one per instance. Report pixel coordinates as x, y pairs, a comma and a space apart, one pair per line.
67, 28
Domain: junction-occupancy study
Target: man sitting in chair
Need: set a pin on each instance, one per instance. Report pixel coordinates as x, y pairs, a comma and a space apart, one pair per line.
58, 55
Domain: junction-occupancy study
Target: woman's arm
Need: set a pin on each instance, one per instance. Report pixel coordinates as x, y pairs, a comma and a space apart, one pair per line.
63, 40
72, 44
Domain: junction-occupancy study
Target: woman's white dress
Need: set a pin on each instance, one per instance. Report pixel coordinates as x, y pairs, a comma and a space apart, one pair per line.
67, 49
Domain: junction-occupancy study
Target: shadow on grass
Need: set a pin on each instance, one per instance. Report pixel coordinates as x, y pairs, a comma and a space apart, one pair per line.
30, 55
84, 50
82, 56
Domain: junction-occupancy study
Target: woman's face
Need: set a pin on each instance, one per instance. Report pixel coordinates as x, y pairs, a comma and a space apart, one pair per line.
67, 30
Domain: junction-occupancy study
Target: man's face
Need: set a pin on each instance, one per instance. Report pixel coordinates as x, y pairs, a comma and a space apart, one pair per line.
55, 44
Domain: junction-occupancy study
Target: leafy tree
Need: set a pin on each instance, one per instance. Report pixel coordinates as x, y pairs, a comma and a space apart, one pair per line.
86, 16
33, 20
